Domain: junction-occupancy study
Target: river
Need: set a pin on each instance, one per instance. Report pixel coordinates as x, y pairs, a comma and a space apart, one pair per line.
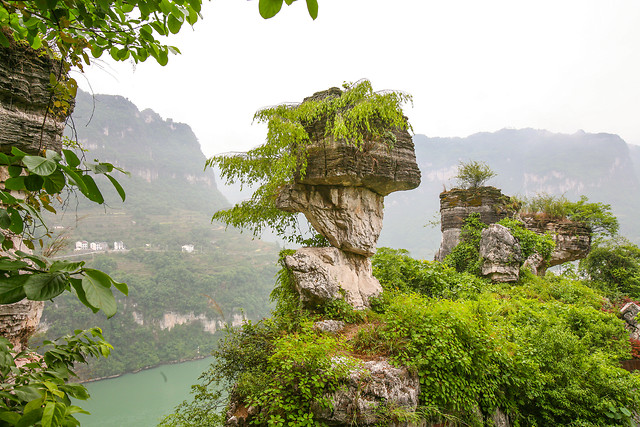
140, 399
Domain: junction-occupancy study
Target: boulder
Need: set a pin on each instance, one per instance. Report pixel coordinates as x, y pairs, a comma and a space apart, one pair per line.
629, 313
500, 253
349, 217
369, 390
325, 274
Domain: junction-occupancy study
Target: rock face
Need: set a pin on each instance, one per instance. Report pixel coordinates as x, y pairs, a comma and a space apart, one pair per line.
572, 239
500, 253
349, 217
25, 123
342, 195
629, 313
457, 204
368, 391
24, 100
19, 321
323, 274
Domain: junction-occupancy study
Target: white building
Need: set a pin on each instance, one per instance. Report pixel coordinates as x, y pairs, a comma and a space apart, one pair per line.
118, 246
188, 248
82, 245
99, 246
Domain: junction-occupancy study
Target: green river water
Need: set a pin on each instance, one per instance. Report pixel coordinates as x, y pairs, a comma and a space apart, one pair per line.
142, 399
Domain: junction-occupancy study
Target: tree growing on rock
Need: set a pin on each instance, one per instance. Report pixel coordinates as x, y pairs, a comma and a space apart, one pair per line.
473, 174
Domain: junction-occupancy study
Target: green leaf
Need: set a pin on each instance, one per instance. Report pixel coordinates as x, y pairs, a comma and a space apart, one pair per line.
67, 266
99, 296
47, 414
93, 192
15, 171
99, 168
82, 297
17, 225
312, 7
76, 178
27, 393
55, 182
39, 165
5, 219
174, 24
45, 286
30, 418
269, 8
117, 186
196, 5
11, 264
52, 155
15, 183
3, 40
33, 182
4, 159
11, 289
10, 417
18, 153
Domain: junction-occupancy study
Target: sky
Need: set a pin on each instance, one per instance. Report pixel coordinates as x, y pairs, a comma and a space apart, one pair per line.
471, 65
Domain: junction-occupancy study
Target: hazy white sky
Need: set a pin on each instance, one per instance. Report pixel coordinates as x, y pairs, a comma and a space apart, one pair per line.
471, 65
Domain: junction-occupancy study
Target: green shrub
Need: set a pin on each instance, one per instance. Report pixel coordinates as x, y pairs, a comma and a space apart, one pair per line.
530, 241
466, 255
614, 266
473, 174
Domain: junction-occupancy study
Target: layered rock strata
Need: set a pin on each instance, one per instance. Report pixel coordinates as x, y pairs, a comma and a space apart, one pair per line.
25, 123
572, 239
342, 194
457, 204
25, 100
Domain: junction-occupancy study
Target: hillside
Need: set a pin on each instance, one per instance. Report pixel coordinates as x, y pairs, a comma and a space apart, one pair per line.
178, 296
528, 161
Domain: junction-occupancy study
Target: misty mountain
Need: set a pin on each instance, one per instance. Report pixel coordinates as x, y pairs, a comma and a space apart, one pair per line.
528, 161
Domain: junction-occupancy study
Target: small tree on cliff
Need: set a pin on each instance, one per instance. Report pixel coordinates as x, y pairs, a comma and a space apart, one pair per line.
473, 174
355, 115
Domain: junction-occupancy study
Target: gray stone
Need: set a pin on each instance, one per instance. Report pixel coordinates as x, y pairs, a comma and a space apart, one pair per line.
572, 239
629, 313
500, 419
500, 253
349, 217
330, 326
368, 391
320, 274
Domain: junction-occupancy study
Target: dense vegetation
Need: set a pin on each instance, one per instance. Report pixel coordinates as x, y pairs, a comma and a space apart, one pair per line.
544, 350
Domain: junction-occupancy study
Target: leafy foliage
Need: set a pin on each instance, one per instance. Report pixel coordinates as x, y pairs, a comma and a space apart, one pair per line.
41, 179
614, 266
597, 216
473, 174
356, 115
270, 8
466, 255
38, 392
530, 241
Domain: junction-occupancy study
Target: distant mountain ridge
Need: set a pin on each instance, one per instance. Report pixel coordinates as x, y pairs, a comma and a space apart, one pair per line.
600, 166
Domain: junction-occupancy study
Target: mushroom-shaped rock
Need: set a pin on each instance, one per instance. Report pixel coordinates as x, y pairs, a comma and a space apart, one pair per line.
500, 253
321, 273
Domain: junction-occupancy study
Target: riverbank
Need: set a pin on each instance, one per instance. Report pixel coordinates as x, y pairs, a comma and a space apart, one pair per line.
172, 362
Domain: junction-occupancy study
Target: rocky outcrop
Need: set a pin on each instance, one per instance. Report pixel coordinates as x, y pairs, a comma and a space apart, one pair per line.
342, 194
629, 313
370, 390
572, 239
25, 100
324, 274
500, 253
457, 204
27, 123
19, 321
